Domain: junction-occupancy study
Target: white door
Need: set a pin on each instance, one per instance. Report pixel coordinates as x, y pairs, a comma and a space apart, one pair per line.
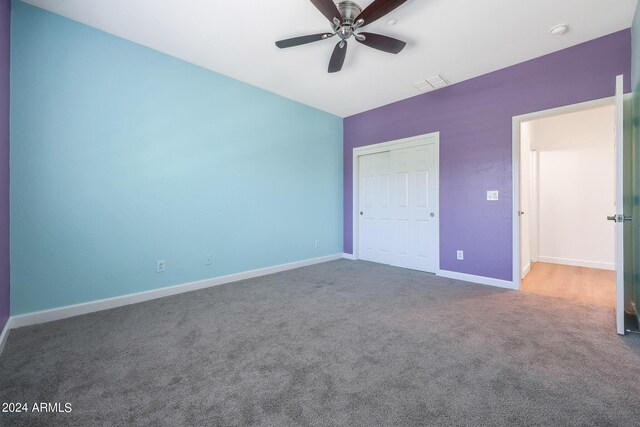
399, 207
375, 207
525, 195
622, 211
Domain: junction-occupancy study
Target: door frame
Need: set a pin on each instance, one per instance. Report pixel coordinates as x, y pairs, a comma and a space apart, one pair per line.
516, 121
414, 141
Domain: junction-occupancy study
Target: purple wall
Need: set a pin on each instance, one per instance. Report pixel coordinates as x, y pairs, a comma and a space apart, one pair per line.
5, 17
474, 121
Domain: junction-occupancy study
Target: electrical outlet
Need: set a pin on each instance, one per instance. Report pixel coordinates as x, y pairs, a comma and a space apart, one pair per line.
492, 195
460, 255
209, 260
317, 244
160, 266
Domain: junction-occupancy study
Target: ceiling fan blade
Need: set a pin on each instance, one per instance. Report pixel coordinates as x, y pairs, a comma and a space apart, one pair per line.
377, 10
337, 57
297, 41
383, 43
328, 8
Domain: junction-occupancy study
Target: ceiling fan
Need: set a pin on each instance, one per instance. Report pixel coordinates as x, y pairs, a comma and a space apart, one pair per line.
346, 18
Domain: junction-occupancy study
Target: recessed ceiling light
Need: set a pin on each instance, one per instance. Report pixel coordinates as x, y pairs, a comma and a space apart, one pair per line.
392, 21
559, 29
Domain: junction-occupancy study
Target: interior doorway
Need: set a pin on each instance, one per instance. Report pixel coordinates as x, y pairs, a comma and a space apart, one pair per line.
567, 189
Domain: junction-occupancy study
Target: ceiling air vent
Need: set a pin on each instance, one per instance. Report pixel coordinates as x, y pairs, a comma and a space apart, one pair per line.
432, 83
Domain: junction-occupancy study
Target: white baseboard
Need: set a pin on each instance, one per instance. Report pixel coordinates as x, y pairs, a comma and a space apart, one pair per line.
525, 271
4, 335
577, 262
349, 256
105, 304
476, 279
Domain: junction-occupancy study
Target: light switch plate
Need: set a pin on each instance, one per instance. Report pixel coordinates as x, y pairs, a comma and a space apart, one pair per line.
492, 195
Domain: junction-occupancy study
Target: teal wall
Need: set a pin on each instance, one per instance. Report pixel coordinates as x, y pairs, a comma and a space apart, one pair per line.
121, 156
635, 227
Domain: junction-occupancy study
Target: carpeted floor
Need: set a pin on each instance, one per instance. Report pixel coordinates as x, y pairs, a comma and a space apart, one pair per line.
341, 343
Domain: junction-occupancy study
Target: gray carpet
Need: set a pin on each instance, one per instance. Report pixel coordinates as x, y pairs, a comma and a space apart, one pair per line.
342, 343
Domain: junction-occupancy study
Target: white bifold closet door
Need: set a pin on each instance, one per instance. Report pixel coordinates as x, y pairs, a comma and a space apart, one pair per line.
398, 207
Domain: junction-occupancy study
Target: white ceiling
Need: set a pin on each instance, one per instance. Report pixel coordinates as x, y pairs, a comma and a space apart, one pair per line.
459, 39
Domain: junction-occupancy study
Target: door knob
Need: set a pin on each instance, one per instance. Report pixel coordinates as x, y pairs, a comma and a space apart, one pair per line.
619, 218
361, 213
520, 213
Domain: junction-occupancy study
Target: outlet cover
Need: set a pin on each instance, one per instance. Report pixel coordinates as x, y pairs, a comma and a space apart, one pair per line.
492, 195
160, 266
460, 255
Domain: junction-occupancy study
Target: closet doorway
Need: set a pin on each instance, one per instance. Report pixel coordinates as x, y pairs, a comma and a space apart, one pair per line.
396, 217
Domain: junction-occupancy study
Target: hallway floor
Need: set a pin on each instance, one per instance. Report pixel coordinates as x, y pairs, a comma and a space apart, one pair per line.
588, 285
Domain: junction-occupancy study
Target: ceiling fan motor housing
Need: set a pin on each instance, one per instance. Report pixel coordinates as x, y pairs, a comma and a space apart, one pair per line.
349, 11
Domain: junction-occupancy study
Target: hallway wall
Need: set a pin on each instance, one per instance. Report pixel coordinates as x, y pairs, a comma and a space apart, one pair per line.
575, 177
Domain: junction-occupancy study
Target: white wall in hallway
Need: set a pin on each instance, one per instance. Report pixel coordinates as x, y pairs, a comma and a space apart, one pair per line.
575, 155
